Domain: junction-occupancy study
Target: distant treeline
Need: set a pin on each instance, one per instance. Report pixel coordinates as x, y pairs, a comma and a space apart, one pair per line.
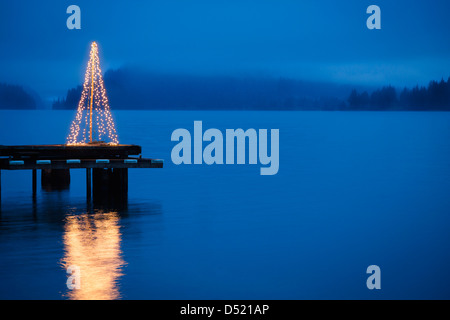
434, 97
132, 89
71, 101
15, 97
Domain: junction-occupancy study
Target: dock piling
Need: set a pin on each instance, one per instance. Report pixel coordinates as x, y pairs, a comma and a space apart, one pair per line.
110, 185
34, 182
88, 184
55, 179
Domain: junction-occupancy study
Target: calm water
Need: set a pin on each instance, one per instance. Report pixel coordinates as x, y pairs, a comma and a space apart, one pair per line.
353, 189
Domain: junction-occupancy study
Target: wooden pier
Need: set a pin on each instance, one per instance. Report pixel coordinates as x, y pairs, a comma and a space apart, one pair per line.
106, 165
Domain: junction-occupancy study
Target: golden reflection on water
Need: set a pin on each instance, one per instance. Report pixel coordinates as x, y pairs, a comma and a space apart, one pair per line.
92, 242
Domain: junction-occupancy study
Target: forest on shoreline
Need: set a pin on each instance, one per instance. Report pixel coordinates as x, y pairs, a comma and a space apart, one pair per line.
131, 90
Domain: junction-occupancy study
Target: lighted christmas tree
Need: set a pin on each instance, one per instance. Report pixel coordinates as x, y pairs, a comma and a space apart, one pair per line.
93, 122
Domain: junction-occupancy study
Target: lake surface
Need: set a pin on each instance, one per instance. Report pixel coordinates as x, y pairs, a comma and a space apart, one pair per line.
353, 189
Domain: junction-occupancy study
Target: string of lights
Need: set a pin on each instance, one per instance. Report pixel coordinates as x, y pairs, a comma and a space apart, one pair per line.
93, 121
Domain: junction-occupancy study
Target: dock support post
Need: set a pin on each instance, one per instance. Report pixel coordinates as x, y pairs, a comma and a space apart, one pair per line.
55, 179
110, 186
125, 181
34, 182
88, 184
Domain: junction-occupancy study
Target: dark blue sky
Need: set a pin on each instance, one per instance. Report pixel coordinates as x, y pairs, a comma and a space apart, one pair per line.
321, 40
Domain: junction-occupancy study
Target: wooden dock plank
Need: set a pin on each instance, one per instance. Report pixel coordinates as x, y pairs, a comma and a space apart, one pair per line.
84, 163
62, 151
